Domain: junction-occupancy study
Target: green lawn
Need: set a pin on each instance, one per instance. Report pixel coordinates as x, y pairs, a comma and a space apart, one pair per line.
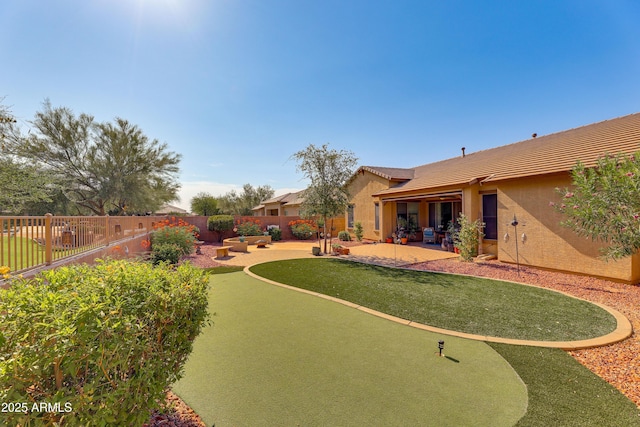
274, 357
277, 357
19, 253
461, 303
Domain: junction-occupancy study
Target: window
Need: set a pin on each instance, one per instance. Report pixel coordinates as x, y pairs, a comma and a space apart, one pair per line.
377, 216
407, 215
442, 213
490, 215
350, 216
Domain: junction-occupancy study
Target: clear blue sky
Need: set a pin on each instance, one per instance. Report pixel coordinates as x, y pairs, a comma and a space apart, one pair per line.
238, 86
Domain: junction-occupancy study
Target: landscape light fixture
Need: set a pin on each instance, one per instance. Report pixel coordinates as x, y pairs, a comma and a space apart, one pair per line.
440, 346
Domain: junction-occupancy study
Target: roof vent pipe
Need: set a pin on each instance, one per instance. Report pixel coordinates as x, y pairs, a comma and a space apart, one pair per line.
463, 148
534, 135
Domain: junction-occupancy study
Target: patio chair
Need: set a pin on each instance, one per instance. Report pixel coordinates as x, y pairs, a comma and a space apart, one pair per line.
428, 235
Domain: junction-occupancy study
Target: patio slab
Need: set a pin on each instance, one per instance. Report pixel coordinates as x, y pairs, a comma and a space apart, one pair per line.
377, 253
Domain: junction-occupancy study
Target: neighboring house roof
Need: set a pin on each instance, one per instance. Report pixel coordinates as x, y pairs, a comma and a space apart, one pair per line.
166, 208
547, 154
284, 199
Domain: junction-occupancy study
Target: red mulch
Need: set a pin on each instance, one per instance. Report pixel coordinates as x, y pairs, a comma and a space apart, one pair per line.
618, 364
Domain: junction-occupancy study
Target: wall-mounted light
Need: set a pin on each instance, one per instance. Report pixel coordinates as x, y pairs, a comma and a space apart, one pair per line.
506, 237
524, 238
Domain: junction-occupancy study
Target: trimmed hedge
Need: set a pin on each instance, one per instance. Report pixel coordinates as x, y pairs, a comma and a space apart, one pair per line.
101, 342
219, 224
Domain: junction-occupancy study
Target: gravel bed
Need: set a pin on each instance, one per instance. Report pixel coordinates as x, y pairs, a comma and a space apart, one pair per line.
618, 363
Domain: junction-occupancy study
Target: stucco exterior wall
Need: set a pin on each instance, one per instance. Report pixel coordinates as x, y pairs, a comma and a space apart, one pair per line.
547, 244
361, 188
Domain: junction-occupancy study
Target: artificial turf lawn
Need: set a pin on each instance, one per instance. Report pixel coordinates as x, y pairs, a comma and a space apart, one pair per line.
278, 357
461, 303
564, 393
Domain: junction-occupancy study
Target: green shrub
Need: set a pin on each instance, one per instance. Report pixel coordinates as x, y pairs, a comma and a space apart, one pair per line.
344, 236
358, 231
467, 237
219, 224
250, 227
103, 342
182, 237
165, 252
275, 233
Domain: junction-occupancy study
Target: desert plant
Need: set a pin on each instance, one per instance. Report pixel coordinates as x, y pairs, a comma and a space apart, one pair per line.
219, 224
344, 236
103, 342
467, 237
358, 231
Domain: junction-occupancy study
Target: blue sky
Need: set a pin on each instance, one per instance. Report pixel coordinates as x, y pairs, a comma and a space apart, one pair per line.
238, 86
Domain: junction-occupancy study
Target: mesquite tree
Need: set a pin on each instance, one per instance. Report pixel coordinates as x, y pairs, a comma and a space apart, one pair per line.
603, 203
105, 167
328, 171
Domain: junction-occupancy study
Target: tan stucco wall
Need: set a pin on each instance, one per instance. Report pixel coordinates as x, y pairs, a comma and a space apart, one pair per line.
548, 244
361, 188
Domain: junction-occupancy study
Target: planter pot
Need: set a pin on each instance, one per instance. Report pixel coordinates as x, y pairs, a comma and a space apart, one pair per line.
404, 240
456, 250
315, 250
344, 251
389, 240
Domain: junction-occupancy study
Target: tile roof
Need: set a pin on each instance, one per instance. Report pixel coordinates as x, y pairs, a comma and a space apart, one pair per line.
286, 198
547, 154
392, 174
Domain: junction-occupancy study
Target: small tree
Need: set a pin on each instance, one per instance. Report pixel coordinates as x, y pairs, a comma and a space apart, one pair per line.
358, 231
603, 203
466, 238
204, 204
219, 224
328, 170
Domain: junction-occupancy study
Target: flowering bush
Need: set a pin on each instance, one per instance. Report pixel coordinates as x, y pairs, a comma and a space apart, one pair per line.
4, 271
249, 227
181, 237
303, 229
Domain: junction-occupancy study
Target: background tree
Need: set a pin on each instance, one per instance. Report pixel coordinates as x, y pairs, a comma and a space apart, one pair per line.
204, 204
21, 184
233, 203
328, 171
604, 204
106, 167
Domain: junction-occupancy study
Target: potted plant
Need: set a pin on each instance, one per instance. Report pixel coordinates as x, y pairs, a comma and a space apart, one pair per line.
389, 239
336, 248
315, 250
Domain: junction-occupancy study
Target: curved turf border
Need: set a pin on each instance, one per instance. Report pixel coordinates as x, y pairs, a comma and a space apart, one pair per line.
332, 288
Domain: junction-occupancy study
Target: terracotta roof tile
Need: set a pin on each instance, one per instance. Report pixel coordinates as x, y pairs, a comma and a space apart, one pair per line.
392, 174
547, 154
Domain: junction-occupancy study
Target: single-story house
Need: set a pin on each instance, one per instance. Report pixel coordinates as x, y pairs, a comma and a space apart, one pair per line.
168, 209
495, 185
287, 204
